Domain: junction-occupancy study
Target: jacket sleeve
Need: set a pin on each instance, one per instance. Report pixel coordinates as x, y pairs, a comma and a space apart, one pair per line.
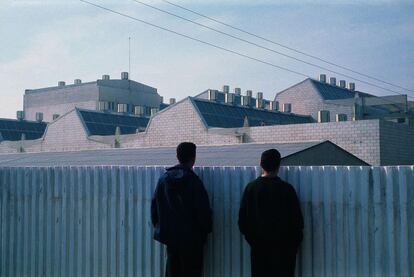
297, 224
154, 207
243, 213
203, 209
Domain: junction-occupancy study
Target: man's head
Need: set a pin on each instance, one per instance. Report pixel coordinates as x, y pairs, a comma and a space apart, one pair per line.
186, 153
270, 161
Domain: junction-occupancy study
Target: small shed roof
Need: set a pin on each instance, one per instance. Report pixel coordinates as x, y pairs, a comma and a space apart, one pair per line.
226, 155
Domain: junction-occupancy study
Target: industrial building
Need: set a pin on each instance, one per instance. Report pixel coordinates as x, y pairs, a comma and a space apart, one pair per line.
328, 101
106, 94
374, 129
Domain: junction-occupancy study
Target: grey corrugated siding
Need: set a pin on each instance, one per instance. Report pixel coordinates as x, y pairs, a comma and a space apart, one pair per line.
95, 221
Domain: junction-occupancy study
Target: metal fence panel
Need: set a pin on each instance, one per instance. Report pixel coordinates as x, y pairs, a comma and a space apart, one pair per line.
95, 221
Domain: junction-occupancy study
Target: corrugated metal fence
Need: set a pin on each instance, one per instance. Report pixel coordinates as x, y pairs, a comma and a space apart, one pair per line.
94, 221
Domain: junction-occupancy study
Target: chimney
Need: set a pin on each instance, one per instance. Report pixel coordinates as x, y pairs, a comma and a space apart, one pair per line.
342, 83
39, 117
287, 108
322, 78
245, 100
211, 95
61, 84
172, 101
259, 103
154, 111
274, 105
161, 99
249, 93
351, 86
259, 95
226, 89
105, 77
20, 115
237, 91
341, 117
332, 81
124, 76
229, 98
323, 116
77, 81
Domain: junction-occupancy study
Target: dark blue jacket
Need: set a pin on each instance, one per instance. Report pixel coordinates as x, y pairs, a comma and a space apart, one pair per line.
180, 209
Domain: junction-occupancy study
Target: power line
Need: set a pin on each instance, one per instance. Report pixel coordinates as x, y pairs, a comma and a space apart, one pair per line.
195, 39
201, 41
285, 46
263, 47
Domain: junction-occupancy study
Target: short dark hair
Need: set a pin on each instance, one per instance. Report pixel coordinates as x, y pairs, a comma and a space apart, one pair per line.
186, 152
270, 160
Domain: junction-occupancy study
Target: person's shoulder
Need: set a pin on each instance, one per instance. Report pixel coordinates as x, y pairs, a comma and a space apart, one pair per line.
253, 184
287, 186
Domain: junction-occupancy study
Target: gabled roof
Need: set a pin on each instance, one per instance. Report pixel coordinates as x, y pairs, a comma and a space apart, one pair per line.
12, 130
230, 116
328, 91
104, 124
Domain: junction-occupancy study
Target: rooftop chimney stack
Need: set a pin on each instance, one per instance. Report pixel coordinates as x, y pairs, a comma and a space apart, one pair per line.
61, 84
229, 98
20, 115
124, 76
249, 93
342, 83
332, 81
274, 105
287, 108
259, 95
322, 78
172, 101
237, 91
161, 99
259, 103
226, 89
212, 95
105, 77
39, 117
77, 81
352, 86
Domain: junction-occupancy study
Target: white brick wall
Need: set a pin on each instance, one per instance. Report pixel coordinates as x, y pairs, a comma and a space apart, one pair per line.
67, 134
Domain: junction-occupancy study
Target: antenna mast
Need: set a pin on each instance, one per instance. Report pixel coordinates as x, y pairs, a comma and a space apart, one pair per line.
129, 55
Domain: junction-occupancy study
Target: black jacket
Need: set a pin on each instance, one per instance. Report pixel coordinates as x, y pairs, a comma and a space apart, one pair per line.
270, 214
180, 209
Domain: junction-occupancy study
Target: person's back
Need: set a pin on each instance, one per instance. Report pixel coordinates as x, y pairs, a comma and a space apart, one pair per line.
272, 223
181, 215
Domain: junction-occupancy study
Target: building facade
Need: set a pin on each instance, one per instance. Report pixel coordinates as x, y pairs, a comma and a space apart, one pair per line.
114, 95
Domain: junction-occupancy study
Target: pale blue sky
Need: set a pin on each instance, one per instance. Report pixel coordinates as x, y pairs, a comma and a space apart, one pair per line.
45, 41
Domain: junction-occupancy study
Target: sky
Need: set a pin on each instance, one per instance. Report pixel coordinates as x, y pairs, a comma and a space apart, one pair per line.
46, 41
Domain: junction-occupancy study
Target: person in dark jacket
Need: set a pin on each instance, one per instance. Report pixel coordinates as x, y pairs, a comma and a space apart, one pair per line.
271, 220
181, 215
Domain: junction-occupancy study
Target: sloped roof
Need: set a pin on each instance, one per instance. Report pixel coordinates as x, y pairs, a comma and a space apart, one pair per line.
104, 124
227, 155
330, 92
230, 116
12, 130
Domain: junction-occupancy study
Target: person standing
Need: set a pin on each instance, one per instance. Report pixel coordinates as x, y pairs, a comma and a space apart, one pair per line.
271, 220
181, 215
